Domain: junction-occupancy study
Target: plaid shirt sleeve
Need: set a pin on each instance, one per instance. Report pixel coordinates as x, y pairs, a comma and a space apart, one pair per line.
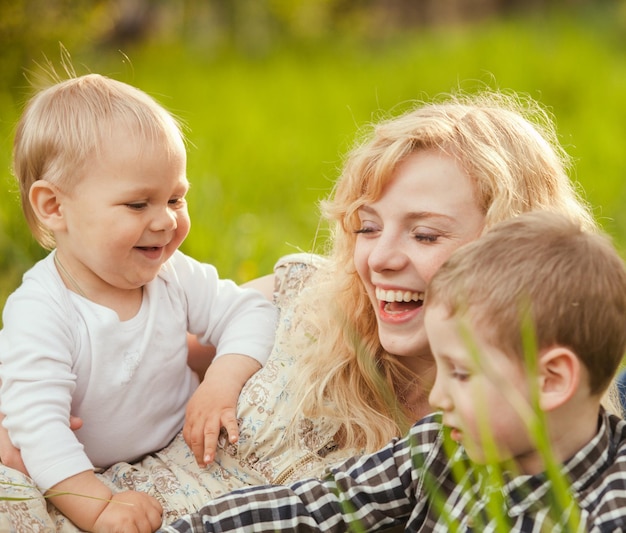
372, 492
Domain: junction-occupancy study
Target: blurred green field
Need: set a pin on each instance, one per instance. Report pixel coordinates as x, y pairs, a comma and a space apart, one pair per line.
267, 133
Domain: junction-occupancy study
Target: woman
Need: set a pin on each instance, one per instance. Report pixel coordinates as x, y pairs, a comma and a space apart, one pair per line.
351, 367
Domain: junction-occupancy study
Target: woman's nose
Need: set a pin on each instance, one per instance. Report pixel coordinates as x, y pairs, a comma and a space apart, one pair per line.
387, 254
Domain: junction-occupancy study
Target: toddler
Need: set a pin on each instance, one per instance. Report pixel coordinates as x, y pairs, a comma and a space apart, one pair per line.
98, 328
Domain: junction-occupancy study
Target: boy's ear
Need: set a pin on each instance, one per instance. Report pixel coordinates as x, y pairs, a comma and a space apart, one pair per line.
45, 201
559, 377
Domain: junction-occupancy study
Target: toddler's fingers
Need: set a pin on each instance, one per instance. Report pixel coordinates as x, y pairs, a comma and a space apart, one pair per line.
195, 440
211, 435
229, 421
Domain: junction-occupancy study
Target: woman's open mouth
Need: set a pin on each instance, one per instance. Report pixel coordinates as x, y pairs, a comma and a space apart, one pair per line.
394, 304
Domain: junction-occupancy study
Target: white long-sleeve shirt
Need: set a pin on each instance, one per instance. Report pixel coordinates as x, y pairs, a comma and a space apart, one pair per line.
128, 380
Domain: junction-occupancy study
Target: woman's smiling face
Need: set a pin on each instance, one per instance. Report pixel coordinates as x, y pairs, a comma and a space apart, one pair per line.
427, 211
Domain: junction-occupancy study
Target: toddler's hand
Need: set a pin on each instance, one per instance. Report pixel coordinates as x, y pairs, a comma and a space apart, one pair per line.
214, 405
130, 512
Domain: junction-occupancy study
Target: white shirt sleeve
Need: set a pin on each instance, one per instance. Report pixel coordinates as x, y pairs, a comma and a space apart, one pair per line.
233, 319
35, 351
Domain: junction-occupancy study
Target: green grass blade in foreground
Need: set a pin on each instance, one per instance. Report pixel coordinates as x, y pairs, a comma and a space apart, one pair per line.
564, 505
49, 494
561, 504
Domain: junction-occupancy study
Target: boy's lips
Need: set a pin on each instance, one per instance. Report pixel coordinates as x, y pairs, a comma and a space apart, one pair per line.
456, 434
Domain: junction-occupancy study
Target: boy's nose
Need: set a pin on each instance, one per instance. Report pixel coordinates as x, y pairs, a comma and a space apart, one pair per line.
438, 397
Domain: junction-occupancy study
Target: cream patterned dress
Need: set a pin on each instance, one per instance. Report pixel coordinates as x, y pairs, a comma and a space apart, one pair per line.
262, 455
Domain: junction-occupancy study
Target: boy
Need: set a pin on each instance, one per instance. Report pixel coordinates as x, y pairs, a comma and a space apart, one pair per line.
537, 274
98, 328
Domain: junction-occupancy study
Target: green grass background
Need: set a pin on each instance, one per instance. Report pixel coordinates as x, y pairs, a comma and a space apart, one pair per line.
267, 131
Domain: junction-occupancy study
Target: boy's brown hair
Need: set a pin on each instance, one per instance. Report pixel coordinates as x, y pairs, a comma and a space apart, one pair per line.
569, 282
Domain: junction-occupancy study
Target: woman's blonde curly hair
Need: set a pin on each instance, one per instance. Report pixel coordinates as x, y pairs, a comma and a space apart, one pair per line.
509, 149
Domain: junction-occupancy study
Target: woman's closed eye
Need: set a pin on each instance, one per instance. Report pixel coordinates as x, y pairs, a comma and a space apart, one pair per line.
367, 227
426, 237
362, 231
426, 234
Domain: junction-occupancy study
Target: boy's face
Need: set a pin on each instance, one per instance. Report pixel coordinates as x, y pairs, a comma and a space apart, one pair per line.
481, 391
125, 216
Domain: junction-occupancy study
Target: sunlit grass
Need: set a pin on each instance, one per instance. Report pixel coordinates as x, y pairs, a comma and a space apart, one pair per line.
267, 133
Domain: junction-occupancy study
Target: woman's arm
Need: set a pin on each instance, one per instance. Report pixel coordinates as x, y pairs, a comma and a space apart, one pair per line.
264, 284
200, 356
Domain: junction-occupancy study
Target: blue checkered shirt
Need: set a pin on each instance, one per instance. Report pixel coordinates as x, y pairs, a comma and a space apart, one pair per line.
425, 482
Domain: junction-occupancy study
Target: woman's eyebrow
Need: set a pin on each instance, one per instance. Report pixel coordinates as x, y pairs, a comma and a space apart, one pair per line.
367, 209
411, 215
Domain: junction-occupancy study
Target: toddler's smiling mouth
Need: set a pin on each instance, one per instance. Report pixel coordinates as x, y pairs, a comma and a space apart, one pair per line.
151, 252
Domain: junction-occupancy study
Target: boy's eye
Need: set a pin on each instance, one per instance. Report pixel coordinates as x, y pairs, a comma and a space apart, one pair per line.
176, 201
460, 375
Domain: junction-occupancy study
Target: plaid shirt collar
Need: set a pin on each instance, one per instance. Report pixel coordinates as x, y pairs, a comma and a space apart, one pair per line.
523, 492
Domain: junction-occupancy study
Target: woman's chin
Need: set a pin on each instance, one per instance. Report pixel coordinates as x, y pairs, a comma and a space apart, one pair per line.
414, 345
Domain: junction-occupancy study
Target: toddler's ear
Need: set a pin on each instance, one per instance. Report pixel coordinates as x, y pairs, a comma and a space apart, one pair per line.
559, 377
44, 199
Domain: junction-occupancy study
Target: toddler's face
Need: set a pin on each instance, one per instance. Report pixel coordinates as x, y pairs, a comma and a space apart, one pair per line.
125, 216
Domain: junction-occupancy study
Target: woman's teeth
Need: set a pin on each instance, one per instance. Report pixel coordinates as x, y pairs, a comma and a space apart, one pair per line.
399, 296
